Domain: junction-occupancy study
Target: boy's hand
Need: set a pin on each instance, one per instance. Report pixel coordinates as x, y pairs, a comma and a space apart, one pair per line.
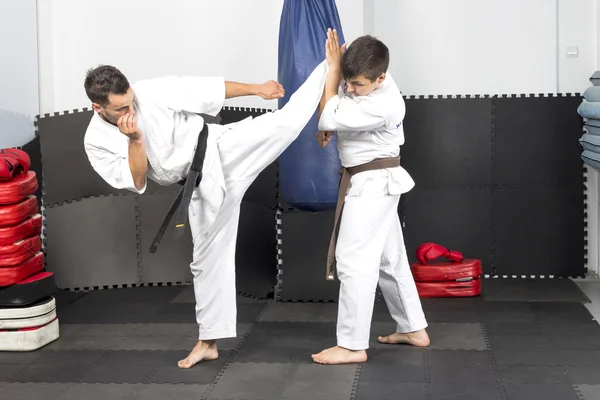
333, 51
324, 137
270, 90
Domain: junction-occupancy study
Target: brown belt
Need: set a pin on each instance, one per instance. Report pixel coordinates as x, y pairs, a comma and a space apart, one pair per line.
347, 173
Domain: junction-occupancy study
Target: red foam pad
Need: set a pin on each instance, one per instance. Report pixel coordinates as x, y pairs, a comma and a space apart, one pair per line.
449, 289
28, 291
17, 189
11, 275
32, 226
444, 271
19, 252
14, 214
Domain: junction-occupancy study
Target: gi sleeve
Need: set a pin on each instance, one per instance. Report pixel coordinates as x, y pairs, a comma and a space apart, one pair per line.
346, 114
202, 95
112, 167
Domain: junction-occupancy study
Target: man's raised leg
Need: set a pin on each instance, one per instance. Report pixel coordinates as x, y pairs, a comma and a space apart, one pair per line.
248, 148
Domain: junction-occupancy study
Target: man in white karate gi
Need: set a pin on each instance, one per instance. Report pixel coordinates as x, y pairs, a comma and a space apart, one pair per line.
151, 129
367, 112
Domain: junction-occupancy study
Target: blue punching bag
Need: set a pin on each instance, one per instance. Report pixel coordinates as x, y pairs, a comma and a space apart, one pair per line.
308, 174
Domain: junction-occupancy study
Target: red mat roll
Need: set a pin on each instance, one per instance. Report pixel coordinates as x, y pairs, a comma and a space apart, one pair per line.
449, 289
14, 214
444, 271
32, 226
18, 188
11, 275
19, 252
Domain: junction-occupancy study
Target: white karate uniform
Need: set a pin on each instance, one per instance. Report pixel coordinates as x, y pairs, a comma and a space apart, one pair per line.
236, 153
370, 245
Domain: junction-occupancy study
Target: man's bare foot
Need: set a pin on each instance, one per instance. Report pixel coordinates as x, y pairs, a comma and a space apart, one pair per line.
418, 338
204, 350
340, 355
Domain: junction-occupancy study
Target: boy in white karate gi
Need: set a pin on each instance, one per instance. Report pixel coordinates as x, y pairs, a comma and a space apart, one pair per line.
151, 129
367, 112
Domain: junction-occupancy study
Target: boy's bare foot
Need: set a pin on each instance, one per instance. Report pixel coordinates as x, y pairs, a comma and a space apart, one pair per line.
340, 355
418, 338
204, 350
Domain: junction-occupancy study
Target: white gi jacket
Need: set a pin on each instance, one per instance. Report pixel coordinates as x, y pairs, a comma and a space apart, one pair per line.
165, 110
369, 127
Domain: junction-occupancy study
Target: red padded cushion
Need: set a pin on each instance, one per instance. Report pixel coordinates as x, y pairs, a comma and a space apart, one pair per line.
19, 252
449, 289
14, 214
18, 188
11, 275
30, 227
444, 271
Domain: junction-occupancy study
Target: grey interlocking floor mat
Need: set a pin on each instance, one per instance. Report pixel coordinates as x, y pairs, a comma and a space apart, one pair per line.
521, 289
125, 343
93, 242
171, 262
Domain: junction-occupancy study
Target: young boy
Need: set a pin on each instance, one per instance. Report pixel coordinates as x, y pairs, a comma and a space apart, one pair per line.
367, 112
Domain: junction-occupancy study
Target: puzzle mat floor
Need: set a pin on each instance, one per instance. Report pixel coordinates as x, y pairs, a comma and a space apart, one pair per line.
520, 340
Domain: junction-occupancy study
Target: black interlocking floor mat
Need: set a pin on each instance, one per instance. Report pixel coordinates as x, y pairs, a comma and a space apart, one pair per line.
125, 343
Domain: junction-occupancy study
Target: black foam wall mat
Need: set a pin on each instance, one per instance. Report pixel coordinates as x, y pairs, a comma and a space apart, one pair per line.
460, 219
540, 231
93, 242
304, 240
536, 140
68, 174
448, 142
256, 251
171, 262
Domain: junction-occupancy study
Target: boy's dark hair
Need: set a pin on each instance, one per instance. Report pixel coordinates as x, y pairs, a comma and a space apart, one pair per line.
365, 56
102, 81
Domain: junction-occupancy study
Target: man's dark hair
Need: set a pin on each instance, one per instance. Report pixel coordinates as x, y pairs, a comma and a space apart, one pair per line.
100, 82
365, 56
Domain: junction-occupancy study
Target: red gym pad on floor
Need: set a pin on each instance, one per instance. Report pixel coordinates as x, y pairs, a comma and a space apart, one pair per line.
11, 275
19, 252
447, 270
28, 291
18, 188
449, 289
30, 227
14, 214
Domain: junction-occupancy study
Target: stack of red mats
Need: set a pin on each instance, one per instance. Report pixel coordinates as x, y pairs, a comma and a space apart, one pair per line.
22, 277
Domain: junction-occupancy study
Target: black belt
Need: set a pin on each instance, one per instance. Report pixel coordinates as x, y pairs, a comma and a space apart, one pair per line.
182, 201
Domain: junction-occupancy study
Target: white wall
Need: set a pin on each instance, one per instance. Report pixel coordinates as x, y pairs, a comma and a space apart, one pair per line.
441, 47
438, 46
577, 28
18, 72
232, 38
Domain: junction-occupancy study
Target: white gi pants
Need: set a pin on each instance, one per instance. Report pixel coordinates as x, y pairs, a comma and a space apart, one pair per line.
370, 248
245, 150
